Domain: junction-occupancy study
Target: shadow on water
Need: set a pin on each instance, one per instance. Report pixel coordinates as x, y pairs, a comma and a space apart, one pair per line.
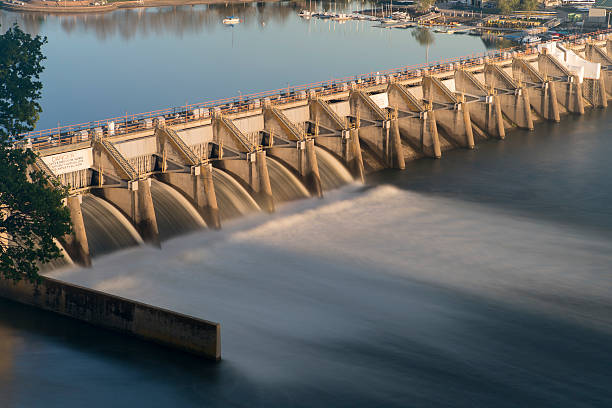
557, 172
54, 354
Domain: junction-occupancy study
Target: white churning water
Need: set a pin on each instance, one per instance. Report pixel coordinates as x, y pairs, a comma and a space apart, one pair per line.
360, 266
285, 185
107, 229
175, 215
232, 199
332, 172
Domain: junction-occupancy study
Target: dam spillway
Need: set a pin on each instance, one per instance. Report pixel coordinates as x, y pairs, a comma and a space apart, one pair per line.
173, 171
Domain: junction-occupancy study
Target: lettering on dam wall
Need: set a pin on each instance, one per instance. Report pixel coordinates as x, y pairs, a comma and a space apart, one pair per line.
71, 161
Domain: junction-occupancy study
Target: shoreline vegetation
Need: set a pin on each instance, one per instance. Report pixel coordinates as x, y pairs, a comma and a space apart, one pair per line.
73, 7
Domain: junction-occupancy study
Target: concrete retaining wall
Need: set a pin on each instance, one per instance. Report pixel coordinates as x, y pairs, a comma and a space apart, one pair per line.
150, 323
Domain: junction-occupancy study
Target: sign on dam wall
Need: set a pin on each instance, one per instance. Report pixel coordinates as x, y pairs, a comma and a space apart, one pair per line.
75, 160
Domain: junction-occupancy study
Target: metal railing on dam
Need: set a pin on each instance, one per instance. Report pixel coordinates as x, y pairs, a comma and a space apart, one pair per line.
159, 173
59, 135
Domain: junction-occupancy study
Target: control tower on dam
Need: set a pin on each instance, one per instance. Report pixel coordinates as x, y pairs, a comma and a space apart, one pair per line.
148, 177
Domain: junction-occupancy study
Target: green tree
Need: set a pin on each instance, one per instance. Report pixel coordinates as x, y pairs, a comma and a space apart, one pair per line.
32, 214
529, 5
508, 6
425, 5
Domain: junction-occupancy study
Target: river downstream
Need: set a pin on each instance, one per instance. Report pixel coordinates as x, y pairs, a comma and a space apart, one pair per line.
478, 280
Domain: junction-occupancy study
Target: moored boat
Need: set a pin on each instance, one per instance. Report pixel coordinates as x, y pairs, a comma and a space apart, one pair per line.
531, 39
306, 14
231, 20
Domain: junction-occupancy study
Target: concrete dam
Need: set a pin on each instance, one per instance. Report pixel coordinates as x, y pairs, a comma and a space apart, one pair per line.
149, 177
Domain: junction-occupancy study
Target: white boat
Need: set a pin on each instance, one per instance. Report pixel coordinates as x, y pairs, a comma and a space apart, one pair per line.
530, 39
306, 14
341, 17
231, 20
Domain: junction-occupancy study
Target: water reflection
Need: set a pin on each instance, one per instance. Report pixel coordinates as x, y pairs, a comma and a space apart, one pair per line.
8, 343
178, 20
425, 38
138, 60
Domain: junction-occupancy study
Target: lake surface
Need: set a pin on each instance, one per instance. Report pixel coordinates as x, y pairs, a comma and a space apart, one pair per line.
139, 60
478, 280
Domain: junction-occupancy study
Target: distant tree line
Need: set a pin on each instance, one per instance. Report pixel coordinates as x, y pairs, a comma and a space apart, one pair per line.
509, 6
505, 6
425, 5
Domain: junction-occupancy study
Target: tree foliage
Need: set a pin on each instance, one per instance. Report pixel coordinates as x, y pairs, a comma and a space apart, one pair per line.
529, 5
20, 68
425, 5
509, 6
32, 214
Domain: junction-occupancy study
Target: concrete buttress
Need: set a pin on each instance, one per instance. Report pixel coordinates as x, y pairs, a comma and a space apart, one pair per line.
332, 133
265, 188
76, 242
397, 151
417, 126
146, 222
510, 95
206, 201
485, 109
375, 130
249, 167
604, 85
538, 90
310, 174
567, 86
452, 114
193, 179
296, 152
356, 161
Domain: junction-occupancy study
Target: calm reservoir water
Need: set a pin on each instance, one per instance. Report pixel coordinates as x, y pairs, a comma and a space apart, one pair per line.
140, 60
479, 280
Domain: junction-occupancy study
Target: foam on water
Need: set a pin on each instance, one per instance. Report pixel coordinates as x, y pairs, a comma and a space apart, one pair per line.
306, 295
